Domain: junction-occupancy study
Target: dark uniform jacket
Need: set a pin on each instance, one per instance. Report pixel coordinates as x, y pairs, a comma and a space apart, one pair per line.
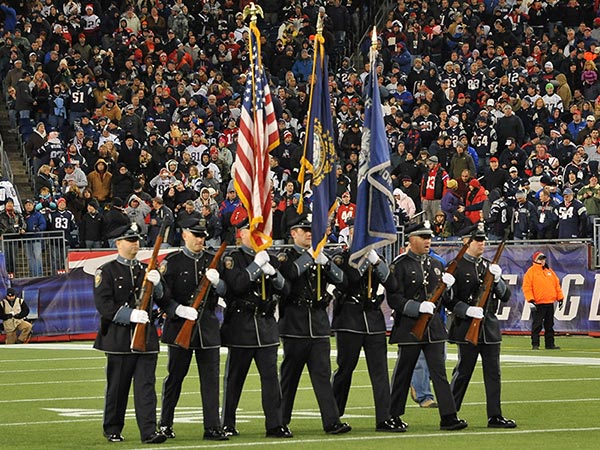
302, 313
117, 286
356, 309
413, 279
183, 271
249, 320
469, 276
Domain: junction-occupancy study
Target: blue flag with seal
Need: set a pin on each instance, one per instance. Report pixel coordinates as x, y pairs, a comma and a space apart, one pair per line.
374, 221
319, 155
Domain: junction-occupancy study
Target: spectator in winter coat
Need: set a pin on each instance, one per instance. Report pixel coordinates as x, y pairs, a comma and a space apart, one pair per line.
91, 227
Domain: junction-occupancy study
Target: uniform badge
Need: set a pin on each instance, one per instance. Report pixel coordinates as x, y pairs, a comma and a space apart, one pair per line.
163, 267
98, 277
282, 257
228, 262
437, 271
338, 260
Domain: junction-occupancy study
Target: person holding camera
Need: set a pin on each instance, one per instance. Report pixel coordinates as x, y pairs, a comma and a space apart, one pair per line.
13, 311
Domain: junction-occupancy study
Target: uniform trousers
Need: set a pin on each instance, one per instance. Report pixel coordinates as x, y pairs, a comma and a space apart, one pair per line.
178, 366
407, 360
543, 316
348, 351
315, 354
121, 369
236, 369
461, 375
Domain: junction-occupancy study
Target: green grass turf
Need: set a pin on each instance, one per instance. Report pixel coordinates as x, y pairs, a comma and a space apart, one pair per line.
51, 397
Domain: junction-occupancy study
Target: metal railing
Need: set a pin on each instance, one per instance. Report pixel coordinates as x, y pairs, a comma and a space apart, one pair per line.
39, 254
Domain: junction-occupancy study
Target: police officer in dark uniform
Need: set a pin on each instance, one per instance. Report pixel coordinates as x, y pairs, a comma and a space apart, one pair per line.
250, 332
414, 276
304, 326
117, 288
183, 271
469, 274
359, 324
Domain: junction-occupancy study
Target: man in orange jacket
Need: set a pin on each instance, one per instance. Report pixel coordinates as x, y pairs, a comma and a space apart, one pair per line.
541, 288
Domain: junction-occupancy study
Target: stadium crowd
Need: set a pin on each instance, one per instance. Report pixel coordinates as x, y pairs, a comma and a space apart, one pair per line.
130, 110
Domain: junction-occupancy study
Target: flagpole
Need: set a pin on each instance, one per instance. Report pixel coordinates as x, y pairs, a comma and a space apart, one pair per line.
372, 58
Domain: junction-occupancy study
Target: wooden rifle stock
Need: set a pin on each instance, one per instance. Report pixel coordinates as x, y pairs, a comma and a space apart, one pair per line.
185, 334
138, 341
472, 335
420, 326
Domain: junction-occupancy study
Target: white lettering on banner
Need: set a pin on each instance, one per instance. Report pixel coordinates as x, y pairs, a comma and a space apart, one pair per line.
595, 303
571, 304
504, 311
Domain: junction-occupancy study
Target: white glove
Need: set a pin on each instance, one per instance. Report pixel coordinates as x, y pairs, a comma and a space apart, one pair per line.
321, 259
496, 270
153, 277
427, 308
373, 257
268, 269
448, 279
213, 276
261, 258
475, 312
186, 312
139, 316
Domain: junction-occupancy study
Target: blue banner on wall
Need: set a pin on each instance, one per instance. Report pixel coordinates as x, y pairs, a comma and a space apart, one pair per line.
65, 303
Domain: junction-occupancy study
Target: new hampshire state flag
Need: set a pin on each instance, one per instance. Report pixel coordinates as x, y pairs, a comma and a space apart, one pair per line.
374, 221
319, 151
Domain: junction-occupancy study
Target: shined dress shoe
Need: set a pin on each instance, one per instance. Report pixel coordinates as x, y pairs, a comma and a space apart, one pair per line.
281, 431
399, 423
167, 432
554, 347
501, 422
535, 347
428, 403
230, 431
338, 428
390, 427
115, 437
155, 438
452, 423
215, 434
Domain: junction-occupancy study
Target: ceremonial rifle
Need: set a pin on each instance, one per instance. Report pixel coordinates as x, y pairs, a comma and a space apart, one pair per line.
138, 341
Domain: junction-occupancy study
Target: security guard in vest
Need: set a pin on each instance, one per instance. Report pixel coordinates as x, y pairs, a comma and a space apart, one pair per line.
13, 311
117, 287
250, 331
304, 326
469, 274
182, 272
359, 324
414, 277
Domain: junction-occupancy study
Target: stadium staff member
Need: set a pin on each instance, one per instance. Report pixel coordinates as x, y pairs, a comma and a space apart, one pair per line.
359, 324
414, 277
250, 330
182, 272
469, 275
13, 311
541, 288
117, 286
304, 326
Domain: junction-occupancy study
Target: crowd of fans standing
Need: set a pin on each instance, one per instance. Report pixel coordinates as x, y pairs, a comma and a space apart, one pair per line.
129, 111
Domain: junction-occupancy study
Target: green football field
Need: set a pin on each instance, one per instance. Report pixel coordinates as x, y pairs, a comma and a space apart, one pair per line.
52, 397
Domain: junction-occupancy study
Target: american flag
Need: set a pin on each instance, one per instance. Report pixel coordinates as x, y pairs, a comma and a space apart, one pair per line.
258, 135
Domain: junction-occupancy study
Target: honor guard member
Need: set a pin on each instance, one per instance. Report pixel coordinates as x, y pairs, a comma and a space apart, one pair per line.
182, 272
414, 277
117, 288
359, 324
304, 326
250, 332
469, 275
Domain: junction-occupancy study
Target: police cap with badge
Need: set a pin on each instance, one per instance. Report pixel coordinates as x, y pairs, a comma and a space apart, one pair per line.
475, 233
305, 224
131, 234
197, 229
422, 230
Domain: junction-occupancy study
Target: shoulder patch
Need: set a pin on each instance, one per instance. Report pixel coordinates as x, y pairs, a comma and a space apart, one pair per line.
228, 262
163, 267
282, 257
98, 277
338, 260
